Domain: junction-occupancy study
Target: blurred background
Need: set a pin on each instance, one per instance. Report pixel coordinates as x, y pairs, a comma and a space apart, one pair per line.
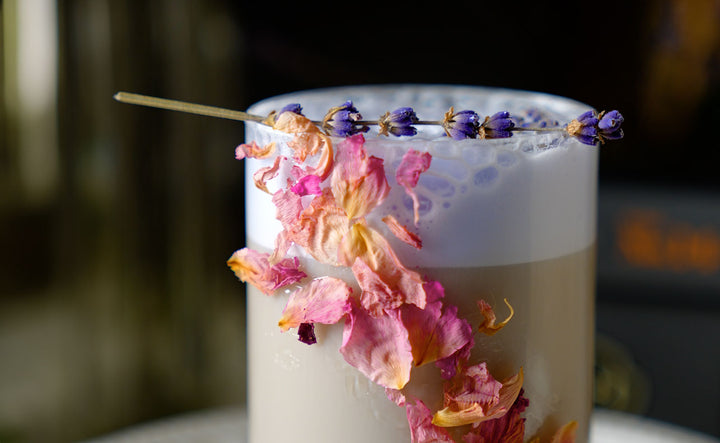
116, 306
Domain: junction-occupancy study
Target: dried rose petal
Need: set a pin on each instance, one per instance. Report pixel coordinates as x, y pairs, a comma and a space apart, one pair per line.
488, 325
378, 347
408, 173
450, 366
435, 333
396, 396
262, 175
254, 267
510, 428
386, 284
474, 396
318, 229
402, 232
308, 141
358, 181
422, 430
324, 300
306, 333
252, 150
307, 185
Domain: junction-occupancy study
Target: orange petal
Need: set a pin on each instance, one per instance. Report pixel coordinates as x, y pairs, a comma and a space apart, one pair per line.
566, 434
488, 325
402, 232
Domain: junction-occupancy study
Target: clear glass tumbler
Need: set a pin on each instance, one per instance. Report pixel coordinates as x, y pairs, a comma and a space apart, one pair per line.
500, 219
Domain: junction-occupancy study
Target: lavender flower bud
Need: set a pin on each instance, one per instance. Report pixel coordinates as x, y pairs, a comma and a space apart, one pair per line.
292, 107
461, 125
398, 123
584, 128
341, 121
498, 125
609, 125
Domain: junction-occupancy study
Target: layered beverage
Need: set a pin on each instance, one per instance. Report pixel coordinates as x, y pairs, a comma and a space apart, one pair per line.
509, 219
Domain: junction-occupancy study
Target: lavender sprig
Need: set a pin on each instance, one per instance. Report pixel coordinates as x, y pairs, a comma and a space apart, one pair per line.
589, 128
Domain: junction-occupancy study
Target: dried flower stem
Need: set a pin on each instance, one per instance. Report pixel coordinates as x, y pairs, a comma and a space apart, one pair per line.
191, 108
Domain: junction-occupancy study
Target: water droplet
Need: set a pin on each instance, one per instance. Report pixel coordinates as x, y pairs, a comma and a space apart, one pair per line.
486, 177
446, 205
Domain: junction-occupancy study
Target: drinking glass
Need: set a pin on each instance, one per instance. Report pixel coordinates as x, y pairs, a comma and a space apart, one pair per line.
500, 219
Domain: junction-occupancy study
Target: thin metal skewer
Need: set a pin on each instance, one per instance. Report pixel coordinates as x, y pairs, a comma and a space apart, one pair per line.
192, 108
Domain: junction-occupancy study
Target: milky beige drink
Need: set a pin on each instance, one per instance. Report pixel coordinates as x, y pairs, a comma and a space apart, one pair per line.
510, 219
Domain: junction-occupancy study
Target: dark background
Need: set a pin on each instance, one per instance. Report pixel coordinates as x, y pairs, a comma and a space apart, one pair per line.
115, 303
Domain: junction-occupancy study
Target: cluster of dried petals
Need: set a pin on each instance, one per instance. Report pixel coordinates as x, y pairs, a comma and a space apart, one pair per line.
398, 320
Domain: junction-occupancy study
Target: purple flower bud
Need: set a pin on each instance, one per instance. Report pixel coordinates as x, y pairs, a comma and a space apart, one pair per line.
292, 107
498, 125
341, 121
399, 122
584, 128
461, 125
609, 126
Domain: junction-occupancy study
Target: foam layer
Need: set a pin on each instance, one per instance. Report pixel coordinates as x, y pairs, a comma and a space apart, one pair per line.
483, 202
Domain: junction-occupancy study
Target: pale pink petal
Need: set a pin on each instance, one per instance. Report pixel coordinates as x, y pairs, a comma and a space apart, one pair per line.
254, 267
488, 325
378, 347
320, 228
252, 150
510, 428
324, 300
262, 175
435, 332
402, 232
396, 396
386, 284
309, 184
358, 181
473, 397
408, 173
422, 430
288, 207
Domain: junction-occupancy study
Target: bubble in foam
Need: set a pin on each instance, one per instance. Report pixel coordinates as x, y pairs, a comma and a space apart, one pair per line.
425, 204
478, 155
486, 177
438, 186
506, 158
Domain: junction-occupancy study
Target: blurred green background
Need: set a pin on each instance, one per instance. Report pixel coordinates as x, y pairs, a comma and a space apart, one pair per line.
116, 306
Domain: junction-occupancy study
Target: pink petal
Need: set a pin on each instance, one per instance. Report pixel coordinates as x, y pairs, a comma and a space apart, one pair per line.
378, 347
254, 267
262, 175
422, 430
435, 333
396, 396
358, 181
510, 428
488, 325
252, 150
402, 232
474, 396
386, 284
408, 173
309, 184
324, 300
449, 366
